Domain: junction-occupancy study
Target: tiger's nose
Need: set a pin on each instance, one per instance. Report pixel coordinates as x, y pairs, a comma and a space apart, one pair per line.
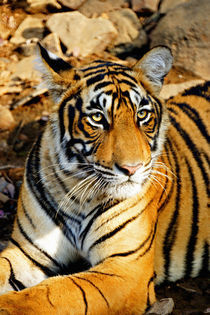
129, 169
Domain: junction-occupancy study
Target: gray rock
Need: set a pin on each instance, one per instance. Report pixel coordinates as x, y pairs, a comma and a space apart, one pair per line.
186, 30
30, 28
82, 36
162, 307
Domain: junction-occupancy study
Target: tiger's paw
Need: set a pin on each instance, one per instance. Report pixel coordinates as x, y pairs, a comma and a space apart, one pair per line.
26, 302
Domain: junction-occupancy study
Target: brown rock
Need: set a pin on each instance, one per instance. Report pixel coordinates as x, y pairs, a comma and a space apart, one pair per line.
72, 4
25, 70
96, 7
173, 89
144, 5
82, 36
127, 25
167, 5
42, 5
186, 30
31, 27
52, 43
6, 119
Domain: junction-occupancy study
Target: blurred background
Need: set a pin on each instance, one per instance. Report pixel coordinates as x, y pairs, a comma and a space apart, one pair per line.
80, 31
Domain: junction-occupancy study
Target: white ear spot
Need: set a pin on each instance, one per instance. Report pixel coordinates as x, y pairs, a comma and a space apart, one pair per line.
52, 55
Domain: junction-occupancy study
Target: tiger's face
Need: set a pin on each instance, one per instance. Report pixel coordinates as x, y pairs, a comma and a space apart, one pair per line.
111, 126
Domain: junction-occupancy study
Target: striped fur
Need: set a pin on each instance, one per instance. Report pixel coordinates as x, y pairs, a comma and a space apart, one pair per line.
115, 192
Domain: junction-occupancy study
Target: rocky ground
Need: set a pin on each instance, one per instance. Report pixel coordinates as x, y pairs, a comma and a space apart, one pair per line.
80, 31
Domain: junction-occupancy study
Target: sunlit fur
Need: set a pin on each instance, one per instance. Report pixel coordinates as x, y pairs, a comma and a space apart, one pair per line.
117, 185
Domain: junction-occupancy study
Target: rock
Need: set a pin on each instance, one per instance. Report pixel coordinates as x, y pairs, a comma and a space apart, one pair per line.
52, 43
25, 70
82, 36
42, 5
96, 7
8, 22
10, 89
162, 307
169, 90
127, 25
72, 4
130, 32
186, 30
6, 119
170, 4
31, 27
28, 48
144, 5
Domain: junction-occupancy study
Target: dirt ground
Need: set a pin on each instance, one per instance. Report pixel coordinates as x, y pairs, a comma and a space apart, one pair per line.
191, 296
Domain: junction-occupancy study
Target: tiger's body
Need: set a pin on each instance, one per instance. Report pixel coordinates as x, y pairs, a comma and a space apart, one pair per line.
119, 179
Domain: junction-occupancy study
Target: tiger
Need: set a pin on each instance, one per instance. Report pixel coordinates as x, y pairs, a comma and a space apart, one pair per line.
115, 192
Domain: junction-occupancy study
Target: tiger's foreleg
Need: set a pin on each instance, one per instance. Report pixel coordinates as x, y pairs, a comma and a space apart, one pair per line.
17, 271
121, 281
113, 287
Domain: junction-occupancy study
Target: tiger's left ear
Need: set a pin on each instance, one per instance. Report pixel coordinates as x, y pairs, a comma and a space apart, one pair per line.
57, 73
154, 66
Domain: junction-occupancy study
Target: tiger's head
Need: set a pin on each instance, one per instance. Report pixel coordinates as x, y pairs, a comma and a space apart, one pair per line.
110, 125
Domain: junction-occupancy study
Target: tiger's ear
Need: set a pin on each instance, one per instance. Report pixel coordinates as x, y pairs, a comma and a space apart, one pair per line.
57, 73
154, 66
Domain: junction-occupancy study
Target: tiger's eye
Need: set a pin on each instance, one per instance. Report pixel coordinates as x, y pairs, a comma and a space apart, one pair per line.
142, 114
97, 117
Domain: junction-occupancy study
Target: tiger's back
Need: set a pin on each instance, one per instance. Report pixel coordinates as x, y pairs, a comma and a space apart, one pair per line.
183, 248
117, 178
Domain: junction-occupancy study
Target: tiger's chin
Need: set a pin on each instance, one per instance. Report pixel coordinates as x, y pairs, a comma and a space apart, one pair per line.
124, 190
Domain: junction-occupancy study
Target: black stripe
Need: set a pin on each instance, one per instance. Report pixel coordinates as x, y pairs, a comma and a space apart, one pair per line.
100, 71
44, 269
104, 237
42, 195
191, 146
96, 79
151, 242
193, 115
99, 210
83, 294
101, 293
128, 253
15, 284
102, 85
194, 226
205, 261
103, 273
37, 247
199, 90
148, 285
61, 183
162, 206
27, 215
57, 64
129, 83
170, 234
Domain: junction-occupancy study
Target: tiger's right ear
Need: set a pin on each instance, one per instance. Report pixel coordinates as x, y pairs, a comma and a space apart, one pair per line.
57, 73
